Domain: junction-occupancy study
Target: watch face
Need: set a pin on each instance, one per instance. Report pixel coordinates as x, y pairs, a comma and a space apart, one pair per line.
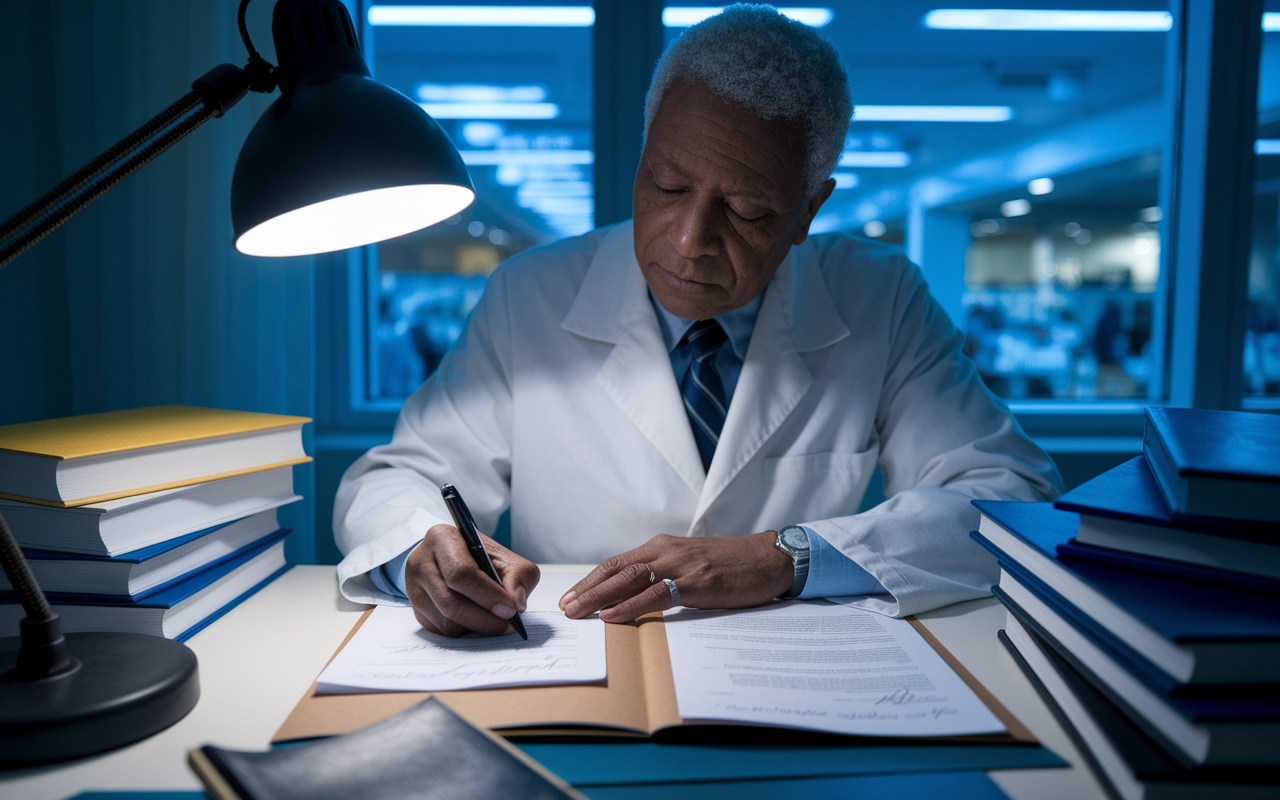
795, 536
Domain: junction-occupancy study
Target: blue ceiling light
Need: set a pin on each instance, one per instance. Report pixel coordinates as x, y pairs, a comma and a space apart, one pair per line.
688, 16
1026, 19
484, 16
526, 158
1271, 21
932, 113
491, 110
873, 158
1267, 147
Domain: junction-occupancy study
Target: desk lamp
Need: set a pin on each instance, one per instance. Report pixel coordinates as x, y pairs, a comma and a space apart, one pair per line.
337, 161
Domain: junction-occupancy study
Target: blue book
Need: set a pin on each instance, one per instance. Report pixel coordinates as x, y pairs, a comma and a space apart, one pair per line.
178, 612
71, 577
1192, 632
1122, 509
1163, 566
1222, 464
1237, 728
1135, 764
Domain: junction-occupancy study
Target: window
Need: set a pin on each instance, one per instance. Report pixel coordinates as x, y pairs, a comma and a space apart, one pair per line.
1025, 170
514, 91
1262, 325
1020, 168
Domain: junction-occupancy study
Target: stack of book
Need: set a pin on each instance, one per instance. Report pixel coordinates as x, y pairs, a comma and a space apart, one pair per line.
1145, 607
153, 520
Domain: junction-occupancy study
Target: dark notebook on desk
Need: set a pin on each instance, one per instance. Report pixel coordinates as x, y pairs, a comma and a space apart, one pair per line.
423, 753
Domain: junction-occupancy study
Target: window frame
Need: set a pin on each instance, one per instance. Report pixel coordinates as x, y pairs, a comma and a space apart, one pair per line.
1206, 178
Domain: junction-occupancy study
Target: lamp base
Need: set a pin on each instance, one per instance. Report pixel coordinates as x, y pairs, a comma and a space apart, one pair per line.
124, 687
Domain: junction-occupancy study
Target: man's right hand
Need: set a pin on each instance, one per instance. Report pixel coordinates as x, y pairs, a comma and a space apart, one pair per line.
451, 595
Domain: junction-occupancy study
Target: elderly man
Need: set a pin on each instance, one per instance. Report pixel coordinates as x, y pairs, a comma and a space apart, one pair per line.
699, 398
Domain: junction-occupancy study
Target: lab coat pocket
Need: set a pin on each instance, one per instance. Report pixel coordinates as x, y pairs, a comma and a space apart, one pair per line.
816, 486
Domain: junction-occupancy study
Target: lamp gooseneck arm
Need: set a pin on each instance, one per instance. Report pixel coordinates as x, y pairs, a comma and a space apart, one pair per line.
43, 653
19, 574
73, 195
102, 163
212, 95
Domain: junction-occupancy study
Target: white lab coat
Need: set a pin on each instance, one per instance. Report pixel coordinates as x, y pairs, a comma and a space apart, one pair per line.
559, 401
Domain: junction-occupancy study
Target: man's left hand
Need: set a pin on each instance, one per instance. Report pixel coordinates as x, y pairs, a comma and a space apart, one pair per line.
709, 572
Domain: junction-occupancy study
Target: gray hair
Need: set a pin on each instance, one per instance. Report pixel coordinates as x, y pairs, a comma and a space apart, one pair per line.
779, 68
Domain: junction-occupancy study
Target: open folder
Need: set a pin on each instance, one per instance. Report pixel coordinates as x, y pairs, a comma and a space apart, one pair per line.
638, 700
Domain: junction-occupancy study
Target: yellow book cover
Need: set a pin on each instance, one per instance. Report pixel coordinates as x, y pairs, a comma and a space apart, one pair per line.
117, 431
93, 458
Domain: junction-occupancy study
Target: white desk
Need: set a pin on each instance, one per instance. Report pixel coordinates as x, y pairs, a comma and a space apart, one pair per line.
256, 663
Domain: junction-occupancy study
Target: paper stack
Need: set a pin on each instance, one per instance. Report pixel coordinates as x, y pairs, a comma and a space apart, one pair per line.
1153, 631
153, 520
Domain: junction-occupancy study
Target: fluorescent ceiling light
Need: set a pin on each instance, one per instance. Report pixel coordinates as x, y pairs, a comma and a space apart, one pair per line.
1040, 186
1025, 19
932, 113
874, 229
577, 206
874, 158
492, 110
846, 180
1016, 208
1267, 147
534, 188
688, 16
485, 16
1271, 21
479, 93
490, 158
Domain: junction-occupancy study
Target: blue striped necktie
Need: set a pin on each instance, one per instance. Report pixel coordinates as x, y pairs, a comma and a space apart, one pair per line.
701, 388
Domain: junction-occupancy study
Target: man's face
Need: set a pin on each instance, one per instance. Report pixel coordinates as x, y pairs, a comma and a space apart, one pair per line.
719, 200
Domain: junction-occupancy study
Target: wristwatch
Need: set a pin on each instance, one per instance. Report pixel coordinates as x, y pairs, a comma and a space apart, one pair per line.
794, 541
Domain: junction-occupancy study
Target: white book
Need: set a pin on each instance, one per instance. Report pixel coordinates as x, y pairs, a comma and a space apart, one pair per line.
178, 612
144, 572
116, 527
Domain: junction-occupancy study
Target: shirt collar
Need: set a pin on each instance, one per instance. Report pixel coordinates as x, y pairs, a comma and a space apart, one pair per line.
738, 325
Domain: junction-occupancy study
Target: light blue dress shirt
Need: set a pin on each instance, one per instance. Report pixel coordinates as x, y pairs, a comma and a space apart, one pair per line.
831, 573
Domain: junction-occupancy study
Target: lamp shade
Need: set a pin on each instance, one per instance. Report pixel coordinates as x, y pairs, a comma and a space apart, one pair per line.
338, 160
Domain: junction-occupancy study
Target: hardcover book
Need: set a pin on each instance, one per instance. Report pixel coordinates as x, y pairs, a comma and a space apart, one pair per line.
117, 527
1191, 631
1127, 761
424, 752
75, 461
142, 573
1215, 725
179, 612
1215, 463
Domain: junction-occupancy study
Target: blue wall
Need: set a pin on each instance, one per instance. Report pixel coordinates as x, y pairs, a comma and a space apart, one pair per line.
141, 299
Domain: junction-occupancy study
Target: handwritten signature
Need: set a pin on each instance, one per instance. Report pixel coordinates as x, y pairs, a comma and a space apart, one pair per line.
904, 697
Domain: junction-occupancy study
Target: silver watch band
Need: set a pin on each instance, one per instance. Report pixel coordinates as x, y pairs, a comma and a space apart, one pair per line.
799, 560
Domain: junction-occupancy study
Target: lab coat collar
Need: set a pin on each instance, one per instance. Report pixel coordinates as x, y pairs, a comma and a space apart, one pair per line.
613, 306
796, 316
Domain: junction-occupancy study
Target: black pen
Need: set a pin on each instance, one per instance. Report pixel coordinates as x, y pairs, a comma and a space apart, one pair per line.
467, 527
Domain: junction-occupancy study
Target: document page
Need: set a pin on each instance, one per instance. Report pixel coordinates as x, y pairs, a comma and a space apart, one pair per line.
392, 653
819, 666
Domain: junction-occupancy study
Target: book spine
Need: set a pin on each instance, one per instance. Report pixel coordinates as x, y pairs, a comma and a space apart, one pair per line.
1162, 467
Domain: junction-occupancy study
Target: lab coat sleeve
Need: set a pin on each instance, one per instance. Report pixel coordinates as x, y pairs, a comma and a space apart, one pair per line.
944, 440
456, 429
